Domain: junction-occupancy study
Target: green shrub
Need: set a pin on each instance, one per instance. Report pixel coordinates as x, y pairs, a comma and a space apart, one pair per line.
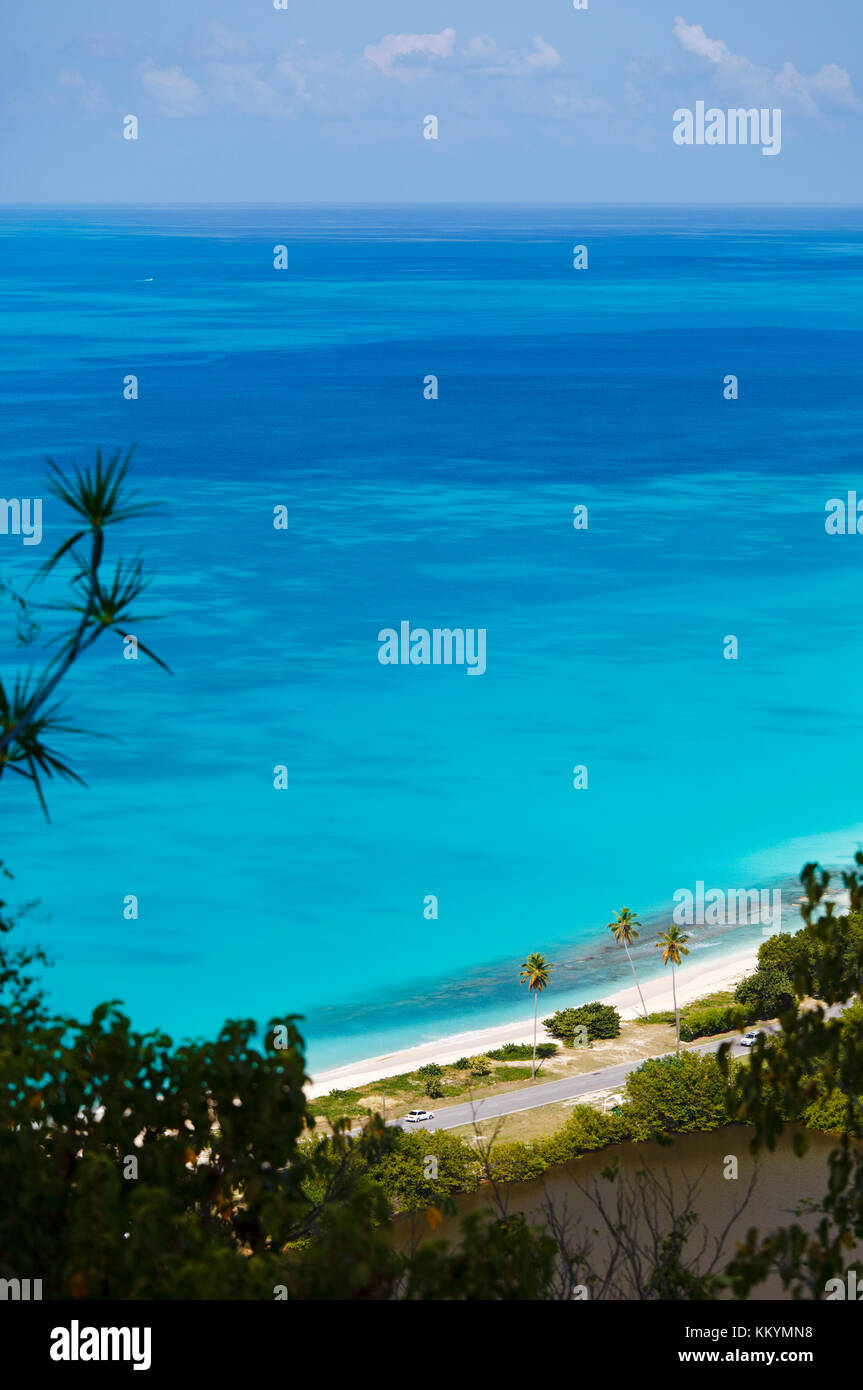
516, 1162
479, 1065
798, 954
676, 1094
410, 1181
521, 1052
587, 1129
431, 1076
712, 1021
599, 1021
786, 952
767, 993
830, 1113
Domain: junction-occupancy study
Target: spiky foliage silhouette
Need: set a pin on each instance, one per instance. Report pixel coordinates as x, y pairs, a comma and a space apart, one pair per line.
98, 497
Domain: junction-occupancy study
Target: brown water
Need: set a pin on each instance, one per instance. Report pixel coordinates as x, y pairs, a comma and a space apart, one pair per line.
692, 1176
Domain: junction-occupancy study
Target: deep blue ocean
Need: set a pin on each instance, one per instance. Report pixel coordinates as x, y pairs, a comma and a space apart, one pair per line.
557, 387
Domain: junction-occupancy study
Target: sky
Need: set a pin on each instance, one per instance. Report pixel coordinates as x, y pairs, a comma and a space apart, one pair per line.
325, 101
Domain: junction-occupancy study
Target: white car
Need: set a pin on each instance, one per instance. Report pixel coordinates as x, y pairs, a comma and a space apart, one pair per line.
750, 1039
416, 1117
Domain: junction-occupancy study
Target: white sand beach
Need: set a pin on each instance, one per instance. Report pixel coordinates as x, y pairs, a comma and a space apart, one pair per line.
695, 978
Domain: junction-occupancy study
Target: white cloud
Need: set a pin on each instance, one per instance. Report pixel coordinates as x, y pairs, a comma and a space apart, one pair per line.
694, 40
835, 83
174, 92
301, 80
483, 55
394, 46
739, 74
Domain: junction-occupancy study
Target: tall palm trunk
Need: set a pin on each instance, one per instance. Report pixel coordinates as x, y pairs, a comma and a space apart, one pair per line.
535, 1006
635, 978
676, 1013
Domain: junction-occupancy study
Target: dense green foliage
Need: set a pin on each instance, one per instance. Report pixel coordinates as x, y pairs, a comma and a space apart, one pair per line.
767, 993
598, 1020
504, 1259
431, 1076
133, 1168
675, 1095
706, 1023
812, 1060
521, 1052
806, 957
422, 1170
479, 1066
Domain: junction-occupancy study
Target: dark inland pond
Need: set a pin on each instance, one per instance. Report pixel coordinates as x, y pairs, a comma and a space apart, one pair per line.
695, 1173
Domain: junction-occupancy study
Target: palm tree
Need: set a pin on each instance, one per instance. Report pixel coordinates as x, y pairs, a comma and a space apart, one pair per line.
672, 943
623, 927
536, 974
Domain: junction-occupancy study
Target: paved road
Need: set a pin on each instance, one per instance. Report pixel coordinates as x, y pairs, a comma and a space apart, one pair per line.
567, 1088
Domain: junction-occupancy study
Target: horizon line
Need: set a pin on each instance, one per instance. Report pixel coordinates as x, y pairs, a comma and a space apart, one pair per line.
422, 203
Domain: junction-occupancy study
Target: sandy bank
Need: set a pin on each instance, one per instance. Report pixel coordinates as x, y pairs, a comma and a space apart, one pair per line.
707, 972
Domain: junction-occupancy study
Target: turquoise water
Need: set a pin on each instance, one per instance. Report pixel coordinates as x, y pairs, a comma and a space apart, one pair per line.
604, 647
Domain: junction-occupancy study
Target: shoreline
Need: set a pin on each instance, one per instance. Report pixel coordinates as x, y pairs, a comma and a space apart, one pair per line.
693, 981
